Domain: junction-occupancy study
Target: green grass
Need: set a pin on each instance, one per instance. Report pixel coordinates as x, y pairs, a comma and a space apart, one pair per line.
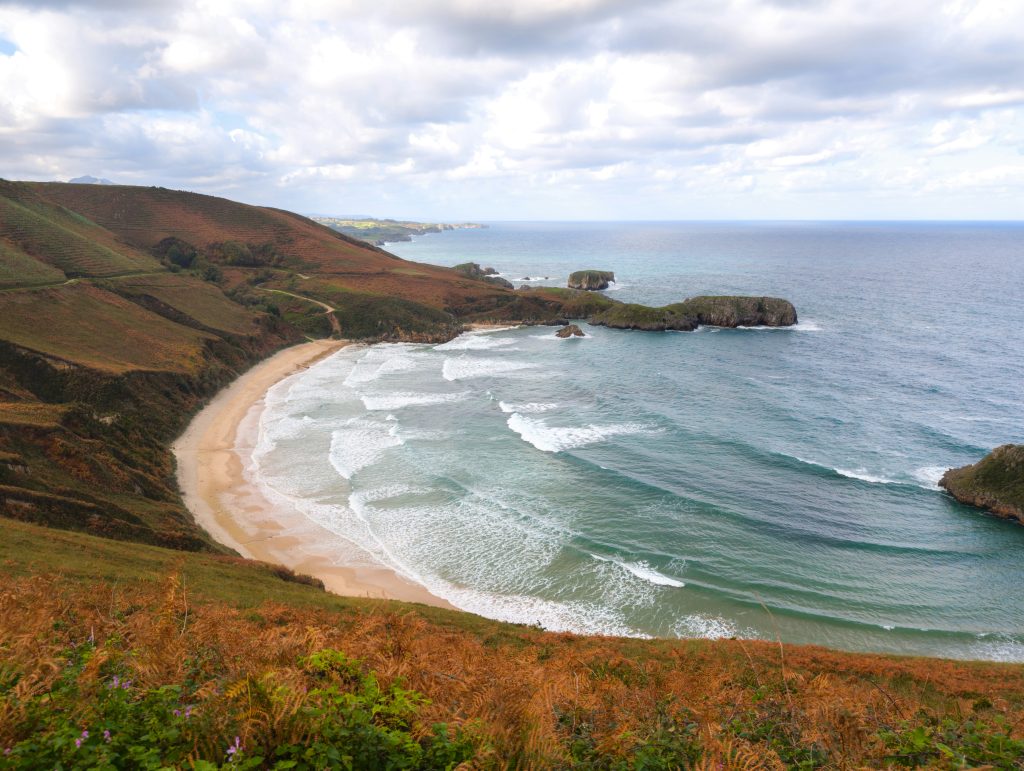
199, 300
87, 325
54, 237
20, 269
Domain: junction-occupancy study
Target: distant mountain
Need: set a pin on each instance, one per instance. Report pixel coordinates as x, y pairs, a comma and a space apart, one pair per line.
87, 180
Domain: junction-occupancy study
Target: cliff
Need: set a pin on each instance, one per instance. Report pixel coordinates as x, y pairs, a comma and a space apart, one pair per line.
723, 311
995, 483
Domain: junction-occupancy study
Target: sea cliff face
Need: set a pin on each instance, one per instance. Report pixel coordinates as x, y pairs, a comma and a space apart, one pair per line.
995, 483
723, 311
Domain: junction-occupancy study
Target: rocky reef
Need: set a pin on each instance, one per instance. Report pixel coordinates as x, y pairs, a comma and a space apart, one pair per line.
590, 280
570, 330
995, 483
720, 311
473, 270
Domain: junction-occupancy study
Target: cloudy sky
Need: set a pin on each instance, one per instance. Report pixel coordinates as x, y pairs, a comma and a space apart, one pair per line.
529, 109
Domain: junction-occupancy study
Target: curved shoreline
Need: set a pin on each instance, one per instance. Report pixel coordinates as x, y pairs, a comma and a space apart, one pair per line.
212, 455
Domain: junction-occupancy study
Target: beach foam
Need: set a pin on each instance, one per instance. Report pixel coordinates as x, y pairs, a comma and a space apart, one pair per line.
396, 401
529, 407
643, 571
475, 341
466, 368
560, 438
361, 443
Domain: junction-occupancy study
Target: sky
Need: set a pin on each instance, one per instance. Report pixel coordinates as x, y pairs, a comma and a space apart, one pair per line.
451, 110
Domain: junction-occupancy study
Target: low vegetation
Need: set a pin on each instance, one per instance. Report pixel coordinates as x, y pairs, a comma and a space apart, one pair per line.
142, 657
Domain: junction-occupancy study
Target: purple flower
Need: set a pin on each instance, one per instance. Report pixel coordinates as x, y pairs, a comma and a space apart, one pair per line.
188, 711
106, 736
126, 684
235, 748
82, 738
116, 682
177, 713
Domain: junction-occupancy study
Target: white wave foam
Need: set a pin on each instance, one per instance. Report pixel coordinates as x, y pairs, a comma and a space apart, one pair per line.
865, 476
708, 627
929, 476
361, 443
369, 368
530, 407
559, 438
397, 401
465, 368
643, 571
475, 341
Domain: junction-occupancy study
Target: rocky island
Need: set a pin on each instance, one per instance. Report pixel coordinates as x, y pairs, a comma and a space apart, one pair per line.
995, 483
590, 280
570, 330
717, 311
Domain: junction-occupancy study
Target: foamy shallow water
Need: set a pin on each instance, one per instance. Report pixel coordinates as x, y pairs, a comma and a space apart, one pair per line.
680, 484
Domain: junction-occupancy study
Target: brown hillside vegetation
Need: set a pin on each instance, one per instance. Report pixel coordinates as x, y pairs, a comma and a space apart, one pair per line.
232, 645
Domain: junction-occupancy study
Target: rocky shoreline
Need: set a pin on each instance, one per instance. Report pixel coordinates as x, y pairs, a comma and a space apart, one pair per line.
995, 483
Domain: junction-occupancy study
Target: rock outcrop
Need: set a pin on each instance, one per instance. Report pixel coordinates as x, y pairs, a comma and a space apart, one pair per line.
724, 311
590, 280
473, 270
995, 483
570, 331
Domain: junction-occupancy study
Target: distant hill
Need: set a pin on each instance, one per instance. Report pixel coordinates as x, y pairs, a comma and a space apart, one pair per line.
87, 180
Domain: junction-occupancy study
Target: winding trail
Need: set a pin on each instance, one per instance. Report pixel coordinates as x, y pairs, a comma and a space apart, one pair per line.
328, 310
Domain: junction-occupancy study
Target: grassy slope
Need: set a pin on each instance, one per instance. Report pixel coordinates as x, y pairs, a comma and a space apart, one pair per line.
207, 623
79, 320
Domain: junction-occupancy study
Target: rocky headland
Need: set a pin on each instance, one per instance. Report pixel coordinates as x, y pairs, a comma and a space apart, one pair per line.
995, 483
590, 280
717, 311
490, 275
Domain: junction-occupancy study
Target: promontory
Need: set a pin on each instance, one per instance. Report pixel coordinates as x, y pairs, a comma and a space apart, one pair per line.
995, 483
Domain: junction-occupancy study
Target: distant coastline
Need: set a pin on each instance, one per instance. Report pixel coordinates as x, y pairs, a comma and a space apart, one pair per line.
387, 231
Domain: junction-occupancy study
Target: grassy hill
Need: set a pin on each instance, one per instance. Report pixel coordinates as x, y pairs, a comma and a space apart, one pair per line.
153, 657
121, 311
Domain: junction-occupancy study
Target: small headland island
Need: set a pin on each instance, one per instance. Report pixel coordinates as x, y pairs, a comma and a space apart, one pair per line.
995, 483
123, 312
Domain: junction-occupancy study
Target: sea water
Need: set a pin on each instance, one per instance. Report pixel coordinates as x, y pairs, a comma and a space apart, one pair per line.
772, 483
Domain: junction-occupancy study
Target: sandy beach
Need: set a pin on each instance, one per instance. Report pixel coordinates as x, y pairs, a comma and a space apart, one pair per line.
212, 455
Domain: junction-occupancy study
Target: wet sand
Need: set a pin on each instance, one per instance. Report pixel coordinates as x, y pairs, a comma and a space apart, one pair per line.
212, 455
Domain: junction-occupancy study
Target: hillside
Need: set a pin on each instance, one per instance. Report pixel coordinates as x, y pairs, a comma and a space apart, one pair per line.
150, 658
122, 310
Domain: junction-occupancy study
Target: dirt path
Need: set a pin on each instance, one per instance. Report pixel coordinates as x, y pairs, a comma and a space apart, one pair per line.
328, 310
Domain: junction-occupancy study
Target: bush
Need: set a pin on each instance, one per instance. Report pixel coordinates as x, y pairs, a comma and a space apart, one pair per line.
336, 715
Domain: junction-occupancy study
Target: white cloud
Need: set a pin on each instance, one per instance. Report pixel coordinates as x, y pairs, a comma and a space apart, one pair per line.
555, 108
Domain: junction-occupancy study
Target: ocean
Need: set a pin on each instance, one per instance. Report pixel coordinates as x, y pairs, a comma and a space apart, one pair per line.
769, 483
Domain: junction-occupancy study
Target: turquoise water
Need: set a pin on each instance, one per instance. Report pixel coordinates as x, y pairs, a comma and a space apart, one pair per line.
744, 482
